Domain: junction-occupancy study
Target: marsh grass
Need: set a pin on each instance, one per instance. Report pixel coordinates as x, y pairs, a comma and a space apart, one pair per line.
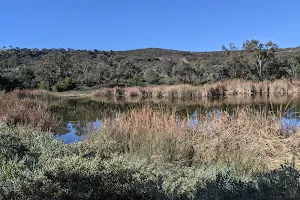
16, 109
33, 94
219, 89
247, 140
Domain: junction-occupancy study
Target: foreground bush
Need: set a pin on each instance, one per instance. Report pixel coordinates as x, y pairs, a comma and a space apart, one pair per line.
35, 166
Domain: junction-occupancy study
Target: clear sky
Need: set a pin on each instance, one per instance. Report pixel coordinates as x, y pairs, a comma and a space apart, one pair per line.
192, 25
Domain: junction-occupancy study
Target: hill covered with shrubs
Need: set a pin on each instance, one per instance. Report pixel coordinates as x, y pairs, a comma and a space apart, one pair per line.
65, 69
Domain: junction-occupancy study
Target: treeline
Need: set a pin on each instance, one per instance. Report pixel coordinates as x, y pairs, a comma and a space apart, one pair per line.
65, 69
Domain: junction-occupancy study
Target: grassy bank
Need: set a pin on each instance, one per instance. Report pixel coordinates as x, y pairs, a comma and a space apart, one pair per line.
219, 89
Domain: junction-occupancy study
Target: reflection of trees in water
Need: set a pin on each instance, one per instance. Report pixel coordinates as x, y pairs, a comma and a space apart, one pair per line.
84, 111
77, 131
83, 116
80, 127
86, 127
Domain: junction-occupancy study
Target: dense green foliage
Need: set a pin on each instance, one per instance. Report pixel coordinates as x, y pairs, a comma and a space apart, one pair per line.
34, 166
64, 69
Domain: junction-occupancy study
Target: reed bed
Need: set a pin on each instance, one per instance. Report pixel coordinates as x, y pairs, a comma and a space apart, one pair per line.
219, 89
30, 93
246, 140
17, 110
272, 99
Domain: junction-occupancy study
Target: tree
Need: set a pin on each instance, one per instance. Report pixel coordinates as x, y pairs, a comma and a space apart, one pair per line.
294, 62
259, 54
185, 72
53, 68
234, 65
151, 77
122, 71
167, 65
278, 68
84, 68
26, 76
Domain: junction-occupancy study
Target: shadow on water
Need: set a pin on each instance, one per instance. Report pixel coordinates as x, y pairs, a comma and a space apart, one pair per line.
83, 116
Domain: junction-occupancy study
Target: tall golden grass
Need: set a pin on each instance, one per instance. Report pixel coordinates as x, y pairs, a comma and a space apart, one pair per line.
225, 88
15, 110
246, 140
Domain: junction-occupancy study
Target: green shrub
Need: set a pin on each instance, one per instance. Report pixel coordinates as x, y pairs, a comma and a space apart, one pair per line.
135, 81
278, 184
151, 77
43, 86
11, 147
65, 85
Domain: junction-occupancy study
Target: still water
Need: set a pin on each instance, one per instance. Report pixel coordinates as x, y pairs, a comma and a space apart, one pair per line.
82, 116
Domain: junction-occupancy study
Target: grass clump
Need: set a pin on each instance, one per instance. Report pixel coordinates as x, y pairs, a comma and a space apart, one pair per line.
18, 110
246, 141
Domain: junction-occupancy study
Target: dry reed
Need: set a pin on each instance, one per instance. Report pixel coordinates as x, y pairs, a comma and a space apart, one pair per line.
24, 111
225, 88
246, 141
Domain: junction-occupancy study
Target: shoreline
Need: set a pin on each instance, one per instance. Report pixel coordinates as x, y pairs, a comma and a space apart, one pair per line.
220, 90
215, 90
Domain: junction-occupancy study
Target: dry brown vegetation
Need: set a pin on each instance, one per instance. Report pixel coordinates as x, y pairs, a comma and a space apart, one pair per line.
272, 99
225, 88
15, 109
246, 141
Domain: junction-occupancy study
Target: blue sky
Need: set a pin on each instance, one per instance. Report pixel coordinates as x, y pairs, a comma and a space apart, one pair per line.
119, 25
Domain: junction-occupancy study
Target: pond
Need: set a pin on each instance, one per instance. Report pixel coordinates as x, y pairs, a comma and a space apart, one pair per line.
81, 116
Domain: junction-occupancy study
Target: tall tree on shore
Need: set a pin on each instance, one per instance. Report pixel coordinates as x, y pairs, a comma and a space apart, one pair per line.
234, 65
259, 54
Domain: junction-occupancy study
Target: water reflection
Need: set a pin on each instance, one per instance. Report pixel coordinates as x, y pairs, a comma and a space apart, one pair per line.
195, 118
290, 123
82, 116
76, 132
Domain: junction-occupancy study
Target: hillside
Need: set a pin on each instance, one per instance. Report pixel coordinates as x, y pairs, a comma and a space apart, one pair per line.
63, 69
